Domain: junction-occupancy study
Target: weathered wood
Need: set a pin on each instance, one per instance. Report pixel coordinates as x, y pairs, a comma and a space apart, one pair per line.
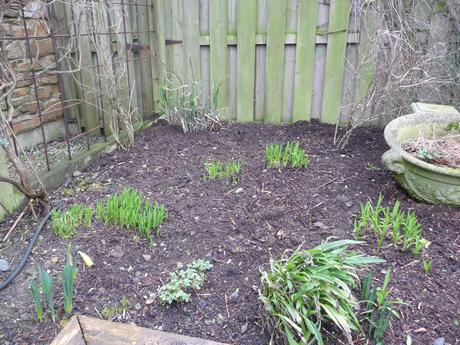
305, 60
246, 59
191, 41
219, 54
335, 61
275, 59
159, 51
71, 334
101, 332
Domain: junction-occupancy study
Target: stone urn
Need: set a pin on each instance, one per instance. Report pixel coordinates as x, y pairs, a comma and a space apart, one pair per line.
422, 181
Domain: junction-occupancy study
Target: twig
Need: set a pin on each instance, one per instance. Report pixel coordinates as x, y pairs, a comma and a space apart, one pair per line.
15, 223
226, 306
328, 182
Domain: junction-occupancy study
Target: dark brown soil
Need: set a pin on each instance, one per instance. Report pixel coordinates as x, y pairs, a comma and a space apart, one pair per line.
238, 227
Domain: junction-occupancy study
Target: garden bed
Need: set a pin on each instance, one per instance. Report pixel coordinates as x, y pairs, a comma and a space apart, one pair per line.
238, 227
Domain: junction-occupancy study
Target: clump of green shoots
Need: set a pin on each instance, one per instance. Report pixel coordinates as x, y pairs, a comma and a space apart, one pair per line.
427, 264
405, 229
37, 300
130, 210
119, 310
216, 170
289, 154
47, 284
182, 280
69, 274
377, 307
64, 222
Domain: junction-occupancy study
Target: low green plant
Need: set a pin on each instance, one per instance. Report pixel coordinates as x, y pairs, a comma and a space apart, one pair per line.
216, 170
405, 229
64, 222
289, 154
37, 300
119, 309
47, 284
130, 210
69, 274
427, 264
176, 290
309, 288
377, 307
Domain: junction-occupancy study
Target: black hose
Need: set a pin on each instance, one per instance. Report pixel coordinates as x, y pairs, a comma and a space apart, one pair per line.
21, 265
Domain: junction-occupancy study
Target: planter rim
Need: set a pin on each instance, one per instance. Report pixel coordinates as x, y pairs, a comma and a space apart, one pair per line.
391, 135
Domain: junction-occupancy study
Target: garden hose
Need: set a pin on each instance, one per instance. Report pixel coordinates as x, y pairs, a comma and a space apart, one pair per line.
21, 265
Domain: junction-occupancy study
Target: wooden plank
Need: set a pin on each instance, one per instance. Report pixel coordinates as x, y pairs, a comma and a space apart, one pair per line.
260, 82
204, 52
101, 332
262, 16
305, 60
146, 77
275, 60
70, 335
232, 84
288, 83
191, 41
247, 12
218, 49
335, 61
159, 51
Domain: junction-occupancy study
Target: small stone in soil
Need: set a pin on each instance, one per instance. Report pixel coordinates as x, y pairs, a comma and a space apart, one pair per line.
147, 257
439, 341
76, 173
234, 296
244, 328
117, 252
4, 265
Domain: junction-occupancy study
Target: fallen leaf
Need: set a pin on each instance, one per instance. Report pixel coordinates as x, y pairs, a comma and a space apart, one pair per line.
86, 259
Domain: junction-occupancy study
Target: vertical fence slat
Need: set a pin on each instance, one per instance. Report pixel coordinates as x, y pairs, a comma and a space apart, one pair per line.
159, 51
246, 17
218, 46
191, 41
275, 60
335, 61
305, 60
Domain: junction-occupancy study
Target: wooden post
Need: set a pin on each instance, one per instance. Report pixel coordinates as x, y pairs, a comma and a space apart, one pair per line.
159, 61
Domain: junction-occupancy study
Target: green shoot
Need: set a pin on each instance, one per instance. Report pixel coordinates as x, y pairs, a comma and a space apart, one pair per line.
69, 275
47, 284
427, 264
37, 301
216, 170
64, 222
290, 154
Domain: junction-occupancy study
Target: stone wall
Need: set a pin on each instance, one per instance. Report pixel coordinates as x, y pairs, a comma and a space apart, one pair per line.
26, 121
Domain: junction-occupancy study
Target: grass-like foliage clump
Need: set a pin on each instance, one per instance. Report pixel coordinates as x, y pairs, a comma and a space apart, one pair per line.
308, 289
377, 307
64, 222
182, 280
229, 171
402, 227
69, 274
129, 209
288, 155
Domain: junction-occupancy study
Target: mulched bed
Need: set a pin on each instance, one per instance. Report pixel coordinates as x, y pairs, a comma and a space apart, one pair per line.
239, 228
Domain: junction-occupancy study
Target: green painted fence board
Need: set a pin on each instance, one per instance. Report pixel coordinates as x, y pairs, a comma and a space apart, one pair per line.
246, 16
191, 40
275, 60
335, 61
219, 54
305, 60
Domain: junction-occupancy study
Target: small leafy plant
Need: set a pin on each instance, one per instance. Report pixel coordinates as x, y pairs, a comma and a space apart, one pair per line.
289, 154
130, 210
176, 290
217, 170
405, 229
47, 284
64, 222
309, 288
427, 264
69, 274
119, 310
377, 307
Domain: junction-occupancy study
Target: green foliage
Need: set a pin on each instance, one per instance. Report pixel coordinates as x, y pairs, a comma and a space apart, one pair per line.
64, 222
290, 154
47, 284
69, 274
184, 106
216, 170
182, 280
311, 287
453, 126
427, 264
37, 300
405, 229
377, 308
130, 210
119, 309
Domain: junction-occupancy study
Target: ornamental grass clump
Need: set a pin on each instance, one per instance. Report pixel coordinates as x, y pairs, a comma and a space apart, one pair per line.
64, 222
311, 289
229, 171
289, 154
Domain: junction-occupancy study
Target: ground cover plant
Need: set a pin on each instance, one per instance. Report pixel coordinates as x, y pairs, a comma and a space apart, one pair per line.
129, 209
182, 280
402, 227
229, 171
287, 155
310, 288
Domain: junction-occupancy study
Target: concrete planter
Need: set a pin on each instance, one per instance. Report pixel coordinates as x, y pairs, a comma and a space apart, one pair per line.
423, 181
